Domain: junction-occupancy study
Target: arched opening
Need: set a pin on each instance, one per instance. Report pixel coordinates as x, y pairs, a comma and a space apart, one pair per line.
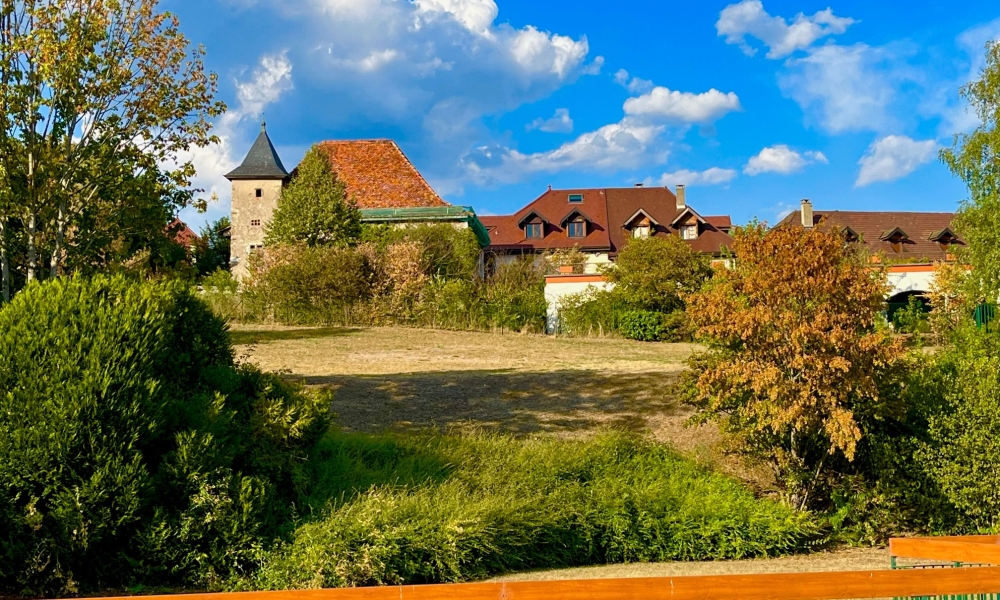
906, 307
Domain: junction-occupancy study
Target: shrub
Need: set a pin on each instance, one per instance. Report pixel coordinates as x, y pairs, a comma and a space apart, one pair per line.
421, 510
131, 448
309, 285
655, 273
796, 369
642, 325
514, 297
447, 252
593, 312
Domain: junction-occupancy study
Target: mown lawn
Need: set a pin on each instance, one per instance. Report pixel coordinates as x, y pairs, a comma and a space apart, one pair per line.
397, 379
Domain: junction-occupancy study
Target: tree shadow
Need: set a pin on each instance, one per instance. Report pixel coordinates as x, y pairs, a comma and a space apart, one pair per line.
567, 402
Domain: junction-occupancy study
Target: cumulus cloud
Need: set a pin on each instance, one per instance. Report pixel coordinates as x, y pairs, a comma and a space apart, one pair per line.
633, 84
560, 122
635, 141
848, 88
748, 18
893, 157
686, 107
621, 145
711, 176
781, 159
267, 83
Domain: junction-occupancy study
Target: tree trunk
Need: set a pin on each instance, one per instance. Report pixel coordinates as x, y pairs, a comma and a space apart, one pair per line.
32, 251
60, 233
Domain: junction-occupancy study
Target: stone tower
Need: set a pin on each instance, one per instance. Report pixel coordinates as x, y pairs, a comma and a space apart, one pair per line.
257, 186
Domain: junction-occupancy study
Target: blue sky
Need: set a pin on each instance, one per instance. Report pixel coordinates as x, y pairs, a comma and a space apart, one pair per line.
754, 105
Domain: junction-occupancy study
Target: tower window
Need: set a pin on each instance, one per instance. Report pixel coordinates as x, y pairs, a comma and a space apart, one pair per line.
255, 222
258, 192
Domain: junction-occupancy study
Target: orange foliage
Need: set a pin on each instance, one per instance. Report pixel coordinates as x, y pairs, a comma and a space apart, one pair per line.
797, 359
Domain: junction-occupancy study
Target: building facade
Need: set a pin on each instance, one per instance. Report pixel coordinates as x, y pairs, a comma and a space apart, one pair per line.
379, 179
598, 223
910, 243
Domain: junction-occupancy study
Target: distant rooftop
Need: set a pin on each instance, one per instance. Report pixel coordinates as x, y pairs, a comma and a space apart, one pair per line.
262, 162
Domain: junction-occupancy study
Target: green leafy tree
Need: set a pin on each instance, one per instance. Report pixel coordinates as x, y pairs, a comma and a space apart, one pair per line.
212, 248
975, 158
92, 93
655, 273
314, 208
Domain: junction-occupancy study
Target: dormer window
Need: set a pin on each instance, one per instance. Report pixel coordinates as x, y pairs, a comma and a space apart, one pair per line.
640, 224
945, 238
896, 238
576, 229
640, 231
533, 231
690, 232
575, 198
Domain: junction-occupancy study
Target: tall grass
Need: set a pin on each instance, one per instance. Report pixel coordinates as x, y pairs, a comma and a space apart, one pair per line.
390, 510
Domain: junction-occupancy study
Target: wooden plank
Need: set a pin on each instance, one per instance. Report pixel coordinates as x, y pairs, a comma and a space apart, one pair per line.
771, 586
947, 549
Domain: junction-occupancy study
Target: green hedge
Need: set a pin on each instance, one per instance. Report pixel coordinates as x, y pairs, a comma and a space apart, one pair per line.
132, 449
421, 510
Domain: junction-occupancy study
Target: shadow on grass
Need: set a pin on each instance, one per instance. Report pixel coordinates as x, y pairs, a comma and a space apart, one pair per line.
267, 335
509, 401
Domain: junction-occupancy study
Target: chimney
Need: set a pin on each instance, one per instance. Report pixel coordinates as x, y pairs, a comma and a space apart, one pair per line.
681, 199
807, 213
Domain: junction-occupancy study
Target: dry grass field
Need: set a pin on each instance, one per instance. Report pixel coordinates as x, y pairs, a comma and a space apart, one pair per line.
396, 379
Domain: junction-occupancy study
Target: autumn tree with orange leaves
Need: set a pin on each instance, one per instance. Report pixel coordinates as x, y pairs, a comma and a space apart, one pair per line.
797, 364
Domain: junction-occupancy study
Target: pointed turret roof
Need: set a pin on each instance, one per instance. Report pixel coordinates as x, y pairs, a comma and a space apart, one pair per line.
262, 162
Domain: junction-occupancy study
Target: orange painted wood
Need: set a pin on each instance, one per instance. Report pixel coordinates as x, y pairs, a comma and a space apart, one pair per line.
574, 279
968, 549
776, 586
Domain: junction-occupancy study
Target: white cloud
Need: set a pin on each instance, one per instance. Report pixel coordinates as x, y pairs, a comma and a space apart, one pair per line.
686, 107
781, 159
476, 15
893, 157
560, 122
748, 18
848, 88
268, 82
621, 145
712, 176
633, 84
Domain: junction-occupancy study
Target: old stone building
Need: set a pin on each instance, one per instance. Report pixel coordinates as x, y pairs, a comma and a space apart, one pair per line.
257, 186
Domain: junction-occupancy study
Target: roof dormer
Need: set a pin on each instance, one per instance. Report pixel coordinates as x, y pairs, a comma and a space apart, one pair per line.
534, 225
576, 223
896, 238
945, 238
641, 224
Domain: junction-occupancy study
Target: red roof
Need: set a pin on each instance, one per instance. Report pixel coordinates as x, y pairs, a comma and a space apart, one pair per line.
608, 211
181, 233
378, 175
919, 233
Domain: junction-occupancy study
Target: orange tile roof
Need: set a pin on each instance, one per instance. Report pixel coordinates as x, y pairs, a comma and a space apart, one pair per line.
378, 175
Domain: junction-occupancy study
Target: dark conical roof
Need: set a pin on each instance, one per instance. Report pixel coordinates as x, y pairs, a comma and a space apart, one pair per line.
262, 162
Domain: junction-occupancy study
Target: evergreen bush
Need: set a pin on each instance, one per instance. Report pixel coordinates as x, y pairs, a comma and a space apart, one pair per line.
132, 449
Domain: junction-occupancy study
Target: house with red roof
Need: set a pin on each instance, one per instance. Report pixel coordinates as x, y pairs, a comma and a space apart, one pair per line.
600, 221
379, 178
910, 243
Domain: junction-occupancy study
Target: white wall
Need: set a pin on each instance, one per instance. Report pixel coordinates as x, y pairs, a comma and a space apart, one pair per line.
558, 287
911, 281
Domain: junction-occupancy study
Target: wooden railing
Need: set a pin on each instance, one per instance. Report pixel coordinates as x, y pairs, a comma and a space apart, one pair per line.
779, 586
